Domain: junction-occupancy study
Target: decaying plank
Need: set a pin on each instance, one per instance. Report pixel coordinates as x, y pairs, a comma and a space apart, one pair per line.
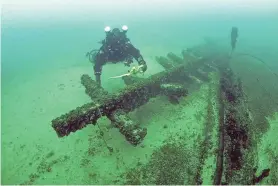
133, 133
128, 80
132, 97
92, 89
234, 165
127, 100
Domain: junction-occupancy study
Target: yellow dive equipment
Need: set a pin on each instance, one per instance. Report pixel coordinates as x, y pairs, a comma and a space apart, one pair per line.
132, 72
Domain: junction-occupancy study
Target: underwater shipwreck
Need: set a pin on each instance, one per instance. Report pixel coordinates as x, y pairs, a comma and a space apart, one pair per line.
223, 150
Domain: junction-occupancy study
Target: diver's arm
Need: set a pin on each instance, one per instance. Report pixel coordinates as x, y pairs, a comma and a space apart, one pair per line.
136, 54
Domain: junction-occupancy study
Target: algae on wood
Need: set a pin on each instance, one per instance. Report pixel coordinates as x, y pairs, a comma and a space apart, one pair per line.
132, 97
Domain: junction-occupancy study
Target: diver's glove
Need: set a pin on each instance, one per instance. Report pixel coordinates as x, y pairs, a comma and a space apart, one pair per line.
128, 61
144, 68
144, 65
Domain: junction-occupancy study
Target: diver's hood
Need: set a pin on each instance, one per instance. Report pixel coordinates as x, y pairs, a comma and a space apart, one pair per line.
116, 32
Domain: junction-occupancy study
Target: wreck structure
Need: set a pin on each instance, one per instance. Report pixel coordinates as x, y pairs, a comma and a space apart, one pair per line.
234, 160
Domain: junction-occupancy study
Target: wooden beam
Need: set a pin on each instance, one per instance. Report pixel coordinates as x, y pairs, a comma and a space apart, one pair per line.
130, 98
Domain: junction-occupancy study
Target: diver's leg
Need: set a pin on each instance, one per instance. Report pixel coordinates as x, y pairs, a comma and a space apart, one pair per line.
100, 60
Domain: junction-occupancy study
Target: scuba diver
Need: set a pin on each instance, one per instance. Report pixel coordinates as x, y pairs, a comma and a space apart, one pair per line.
234, 35
116, 47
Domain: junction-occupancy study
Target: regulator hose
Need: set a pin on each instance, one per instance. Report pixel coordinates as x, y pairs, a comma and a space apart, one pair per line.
91, 55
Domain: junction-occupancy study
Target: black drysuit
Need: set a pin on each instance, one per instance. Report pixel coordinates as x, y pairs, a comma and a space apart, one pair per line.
116, 48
